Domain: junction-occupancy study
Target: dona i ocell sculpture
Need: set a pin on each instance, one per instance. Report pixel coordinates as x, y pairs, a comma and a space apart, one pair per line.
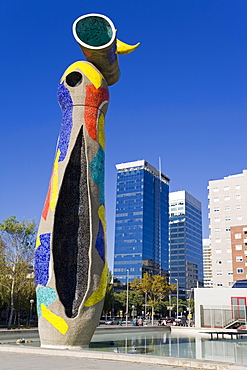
70, 255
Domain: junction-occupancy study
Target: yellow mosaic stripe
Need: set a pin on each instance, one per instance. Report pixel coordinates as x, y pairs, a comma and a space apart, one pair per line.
58, 322
54, 186
99, 293
101, 131
101, 214
38, 242
94, 76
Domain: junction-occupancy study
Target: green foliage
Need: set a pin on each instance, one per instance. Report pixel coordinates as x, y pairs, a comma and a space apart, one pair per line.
109, 293
18, 236
182, 305
17, 241
155, 287
191, 305
134, 299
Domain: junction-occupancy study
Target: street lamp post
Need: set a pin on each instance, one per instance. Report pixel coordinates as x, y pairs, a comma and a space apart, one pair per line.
145, 306
177, 296
170, 305
127, 296
190, 295
31, 309
133, 311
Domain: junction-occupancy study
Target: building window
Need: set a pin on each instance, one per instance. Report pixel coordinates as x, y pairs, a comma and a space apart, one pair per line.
228, 250
217, 240
239, 218
238, 206
238, 236
218, 250
238, 247
229, 261
229, 273
228, 229
239, 259
219, 284
218, 262
215, 190
227, 208
240, 271
237, 186
216, 199
217, 229
226, 188
238, 196
228, 218
217, 219
227, 197
216, 209
219, 273
228, 240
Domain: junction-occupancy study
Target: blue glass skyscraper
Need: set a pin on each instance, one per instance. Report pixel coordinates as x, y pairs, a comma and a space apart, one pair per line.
186, 255
142, 219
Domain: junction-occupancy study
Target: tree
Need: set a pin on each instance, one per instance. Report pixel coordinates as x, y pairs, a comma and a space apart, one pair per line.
109, 293
134, 299
154, 287
191, 305
173, 303
16, 258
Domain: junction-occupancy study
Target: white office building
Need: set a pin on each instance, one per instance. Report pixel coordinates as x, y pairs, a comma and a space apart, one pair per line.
207, 263
227, 207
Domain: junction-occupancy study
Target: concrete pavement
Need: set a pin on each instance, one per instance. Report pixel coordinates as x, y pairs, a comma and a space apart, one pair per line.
20, 357
21, 361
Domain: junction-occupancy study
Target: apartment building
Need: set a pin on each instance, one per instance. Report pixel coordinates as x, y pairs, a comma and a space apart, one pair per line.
239, 252
227, 208
207, 263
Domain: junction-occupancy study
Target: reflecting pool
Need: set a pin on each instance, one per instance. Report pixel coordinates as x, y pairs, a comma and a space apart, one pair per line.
172, 344
183, 344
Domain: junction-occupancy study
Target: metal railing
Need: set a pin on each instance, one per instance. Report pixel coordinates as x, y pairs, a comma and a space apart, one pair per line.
222, 316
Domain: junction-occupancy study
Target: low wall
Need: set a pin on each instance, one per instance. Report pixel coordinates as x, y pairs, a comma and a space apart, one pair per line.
15, 334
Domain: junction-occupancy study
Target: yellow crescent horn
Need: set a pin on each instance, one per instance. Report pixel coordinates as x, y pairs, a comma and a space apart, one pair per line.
123, 48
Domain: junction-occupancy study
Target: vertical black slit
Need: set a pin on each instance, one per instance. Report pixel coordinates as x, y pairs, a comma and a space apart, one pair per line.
71, 236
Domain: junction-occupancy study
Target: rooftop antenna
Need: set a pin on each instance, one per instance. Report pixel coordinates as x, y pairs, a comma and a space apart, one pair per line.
160, 168
160, 190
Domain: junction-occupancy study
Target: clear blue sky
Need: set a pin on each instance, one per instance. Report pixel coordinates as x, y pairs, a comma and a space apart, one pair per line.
182, 95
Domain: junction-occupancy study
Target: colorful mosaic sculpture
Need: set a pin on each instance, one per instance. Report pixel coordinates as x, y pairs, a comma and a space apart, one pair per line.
70, 261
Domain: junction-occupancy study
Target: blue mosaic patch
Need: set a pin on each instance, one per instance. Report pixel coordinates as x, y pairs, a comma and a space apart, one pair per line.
65, 102
45, 295
64, 97
42, 259
111, 54
98, 173
100, 242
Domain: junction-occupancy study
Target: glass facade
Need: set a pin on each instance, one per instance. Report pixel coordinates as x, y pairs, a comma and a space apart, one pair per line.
185, 232
142, 219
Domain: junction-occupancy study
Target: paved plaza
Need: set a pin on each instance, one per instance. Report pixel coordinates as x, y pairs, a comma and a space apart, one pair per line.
14, 361
23, 358
20, 357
